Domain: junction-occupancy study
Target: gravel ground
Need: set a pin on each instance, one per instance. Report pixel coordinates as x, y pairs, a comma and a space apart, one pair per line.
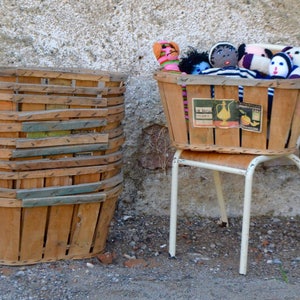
206, 266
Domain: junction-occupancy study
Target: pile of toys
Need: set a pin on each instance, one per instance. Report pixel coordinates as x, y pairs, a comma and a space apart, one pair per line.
244, 61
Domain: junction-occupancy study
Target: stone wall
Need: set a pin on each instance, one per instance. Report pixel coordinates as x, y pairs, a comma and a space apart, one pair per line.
118, 35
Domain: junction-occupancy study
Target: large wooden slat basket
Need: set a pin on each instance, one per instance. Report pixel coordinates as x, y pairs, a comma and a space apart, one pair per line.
60, 162
280, 126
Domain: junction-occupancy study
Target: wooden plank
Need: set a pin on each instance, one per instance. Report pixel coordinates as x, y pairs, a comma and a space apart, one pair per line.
33, 229
63, 186
10, 127
57, 89
284, 103
256, 140
68, 73
58, 114
229, 137
171, 96
102, 230
78, 139
84, 225
58, 231
57, 150
97, 100
10, 220
62, 125
295, 127
222, 80
62, 162
10, 202
61, 200
199, 136
40, 174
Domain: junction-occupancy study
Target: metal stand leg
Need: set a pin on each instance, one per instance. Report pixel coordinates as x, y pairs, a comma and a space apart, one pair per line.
246, 218
221, 202
173, 208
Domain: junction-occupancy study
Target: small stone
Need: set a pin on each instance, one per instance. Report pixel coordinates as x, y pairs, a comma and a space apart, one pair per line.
106, 258
89, 265
134, 263
277, 261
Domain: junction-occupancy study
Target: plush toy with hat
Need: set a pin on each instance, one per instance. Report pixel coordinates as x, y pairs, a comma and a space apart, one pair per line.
194, 62
280, 66
254, 57
167, 54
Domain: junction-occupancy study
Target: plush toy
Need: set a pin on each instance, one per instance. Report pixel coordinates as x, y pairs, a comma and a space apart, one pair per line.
223, 56
167, 54
294, 54
254, 57
194, 62
280, 66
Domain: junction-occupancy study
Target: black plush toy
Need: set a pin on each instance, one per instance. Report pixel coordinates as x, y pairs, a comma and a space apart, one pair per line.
194, 62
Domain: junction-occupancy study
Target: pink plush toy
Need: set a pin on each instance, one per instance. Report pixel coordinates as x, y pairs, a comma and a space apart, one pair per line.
254, 57
167, 54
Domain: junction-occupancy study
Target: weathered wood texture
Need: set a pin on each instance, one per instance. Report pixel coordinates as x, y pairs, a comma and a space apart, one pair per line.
60, 162
279, 133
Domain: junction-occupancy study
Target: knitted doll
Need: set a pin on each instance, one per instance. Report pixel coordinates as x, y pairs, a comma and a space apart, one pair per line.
167, 54
280, 66
294, 54
254, 57
223, 56
194, 62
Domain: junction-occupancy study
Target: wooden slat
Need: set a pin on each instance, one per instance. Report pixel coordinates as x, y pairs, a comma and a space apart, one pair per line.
60, 200
58, 231
40, 174
228, 136
62, 125
65, 188
70, 73
33, 229
171, 96
58, 114
10, 220
222, 80
105, 217
202, 136
295, 127
284, 103
62, 162
76, 139
84, 225
57, 99
57, 150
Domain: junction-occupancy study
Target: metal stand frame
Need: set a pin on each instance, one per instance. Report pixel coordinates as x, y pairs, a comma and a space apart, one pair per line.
248, 173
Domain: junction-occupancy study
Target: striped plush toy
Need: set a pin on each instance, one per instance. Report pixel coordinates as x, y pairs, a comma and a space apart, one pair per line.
167, 54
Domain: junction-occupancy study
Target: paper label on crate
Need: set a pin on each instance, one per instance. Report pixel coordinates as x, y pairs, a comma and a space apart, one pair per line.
212, 113
250, 116
226, 113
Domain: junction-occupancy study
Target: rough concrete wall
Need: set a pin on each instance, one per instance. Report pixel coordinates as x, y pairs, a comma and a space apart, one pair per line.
118, 35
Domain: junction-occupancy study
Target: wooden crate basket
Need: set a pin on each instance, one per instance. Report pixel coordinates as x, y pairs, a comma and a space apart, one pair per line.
280, 123
60, 162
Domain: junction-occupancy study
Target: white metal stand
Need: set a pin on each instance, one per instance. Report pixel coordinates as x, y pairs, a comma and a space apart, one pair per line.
247, 172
